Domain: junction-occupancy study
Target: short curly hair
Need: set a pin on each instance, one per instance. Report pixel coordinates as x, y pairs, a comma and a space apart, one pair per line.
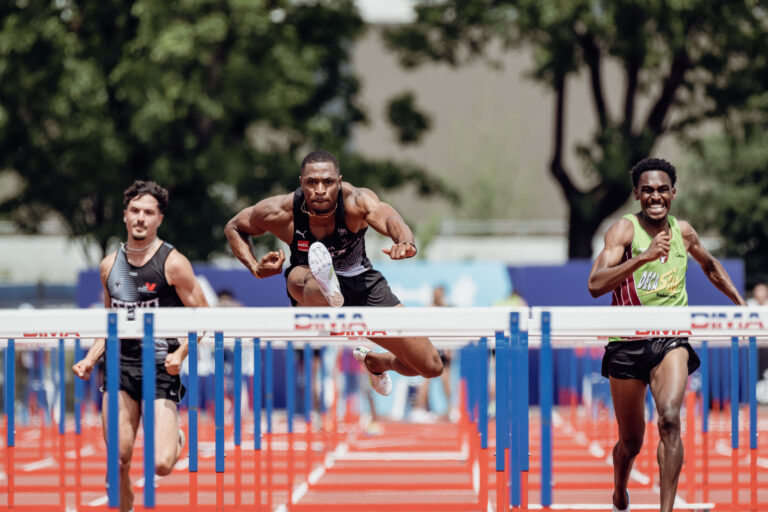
652, 164
319, 156
140, 188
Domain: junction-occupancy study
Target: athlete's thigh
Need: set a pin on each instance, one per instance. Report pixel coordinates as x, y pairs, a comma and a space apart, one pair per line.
129, 413
669, 378
411, 351
166, 423
628, 397
414, 351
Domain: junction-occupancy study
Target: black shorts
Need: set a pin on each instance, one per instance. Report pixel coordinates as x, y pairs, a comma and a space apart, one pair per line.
366, 289
166, 385
634, 359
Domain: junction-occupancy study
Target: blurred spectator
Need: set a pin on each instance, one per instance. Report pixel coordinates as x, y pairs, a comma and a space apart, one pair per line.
760, 298
356, 385
759, 295
421, 404
226, 299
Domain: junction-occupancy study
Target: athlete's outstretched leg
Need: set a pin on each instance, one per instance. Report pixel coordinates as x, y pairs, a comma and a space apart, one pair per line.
406, 356
668, 381
628, 397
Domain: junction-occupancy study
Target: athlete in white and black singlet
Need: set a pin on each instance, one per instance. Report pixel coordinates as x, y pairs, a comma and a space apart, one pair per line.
146, 273
132, 287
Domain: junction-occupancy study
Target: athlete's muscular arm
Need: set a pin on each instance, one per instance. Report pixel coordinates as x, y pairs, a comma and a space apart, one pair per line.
84, 367
275, 215
384, 219
711, 266
607, 272
179, 274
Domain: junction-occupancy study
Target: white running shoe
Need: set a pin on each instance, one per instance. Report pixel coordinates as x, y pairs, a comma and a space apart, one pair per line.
321, 266
380, 383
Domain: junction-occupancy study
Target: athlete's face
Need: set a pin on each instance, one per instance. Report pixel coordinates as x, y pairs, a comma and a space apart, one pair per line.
320, 183
655, 192
142, 217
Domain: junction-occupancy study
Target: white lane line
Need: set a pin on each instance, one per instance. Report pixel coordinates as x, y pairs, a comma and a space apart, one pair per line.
315, 475
40, 464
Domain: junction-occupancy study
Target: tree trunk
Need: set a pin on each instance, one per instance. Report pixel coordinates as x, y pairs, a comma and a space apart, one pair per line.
581, 231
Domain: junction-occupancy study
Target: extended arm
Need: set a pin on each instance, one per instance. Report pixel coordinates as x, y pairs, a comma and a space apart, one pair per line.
384, 219
179, 273
84, 367
710, 265
255, 221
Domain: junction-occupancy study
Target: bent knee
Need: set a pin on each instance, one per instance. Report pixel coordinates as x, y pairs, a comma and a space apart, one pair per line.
669, 423
433, 367
164, 467
631, 446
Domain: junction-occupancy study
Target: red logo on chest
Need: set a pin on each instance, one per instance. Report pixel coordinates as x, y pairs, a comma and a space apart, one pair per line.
303, 245
150, 286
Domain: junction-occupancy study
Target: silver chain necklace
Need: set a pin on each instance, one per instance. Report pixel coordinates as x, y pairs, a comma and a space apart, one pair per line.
126, 248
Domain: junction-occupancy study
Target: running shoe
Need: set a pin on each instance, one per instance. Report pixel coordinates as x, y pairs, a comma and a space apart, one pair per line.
321, 266
381, 383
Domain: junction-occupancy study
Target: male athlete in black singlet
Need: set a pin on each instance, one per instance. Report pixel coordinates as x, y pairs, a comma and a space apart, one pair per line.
324, 222
146, 273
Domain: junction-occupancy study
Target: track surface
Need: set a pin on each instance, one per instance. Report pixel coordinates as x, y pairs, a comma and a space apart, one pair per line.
395, 467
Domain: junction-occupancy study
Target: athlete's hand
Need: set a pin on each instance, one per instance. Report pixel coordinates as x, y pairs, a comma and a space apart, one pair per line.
173, 362
659, 247
400, 251
271, 264
83, 368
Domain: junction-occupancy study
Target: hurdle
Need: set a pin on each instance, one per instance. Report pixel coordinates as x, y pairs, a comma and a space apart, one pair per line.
278, 325
510, 331
705, 327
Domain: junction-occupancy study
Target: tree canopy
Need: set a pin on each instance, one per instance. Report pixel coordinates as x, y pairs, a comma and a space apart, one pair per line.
727, 194
694, 60
217, 100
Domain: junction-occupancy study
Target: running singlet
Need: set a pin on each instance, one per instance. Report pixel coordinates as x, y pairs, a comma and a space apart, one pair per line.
347, 249
657, 283
142, 287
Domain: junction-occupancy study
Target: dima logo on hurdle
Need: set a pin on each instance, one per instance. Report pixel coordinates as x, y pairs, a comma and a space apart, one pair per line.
712, 321
722, 320
334, 325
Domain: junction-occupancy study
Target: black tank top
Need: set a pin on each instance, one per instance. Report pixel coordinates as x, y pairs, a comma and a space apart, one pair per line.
347, 248
133, 287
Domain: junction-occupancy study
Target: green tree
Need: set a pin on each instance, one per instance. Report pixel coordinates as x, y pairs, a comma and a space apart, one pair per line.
218, 100
727, 193
695, 60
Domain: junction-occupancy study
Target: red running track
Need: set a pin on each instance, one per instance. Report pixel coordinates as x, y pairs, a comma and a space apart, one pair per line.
394, 467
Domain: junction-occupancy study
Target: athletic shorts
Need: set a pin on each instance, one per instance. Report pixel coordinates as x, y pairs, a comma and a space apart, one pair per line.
634, 359
166, 385
366, 289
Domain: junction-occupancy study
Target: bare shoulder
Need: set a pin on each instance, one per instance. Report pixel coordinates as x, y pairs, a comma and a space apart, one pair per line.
275, 209
358, 199
176, 262
620, 233
685, 228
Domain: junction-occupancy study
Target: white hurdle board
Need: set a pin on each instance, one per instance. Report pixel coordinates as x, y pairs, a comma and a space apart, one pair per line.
694, 322
268, 323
